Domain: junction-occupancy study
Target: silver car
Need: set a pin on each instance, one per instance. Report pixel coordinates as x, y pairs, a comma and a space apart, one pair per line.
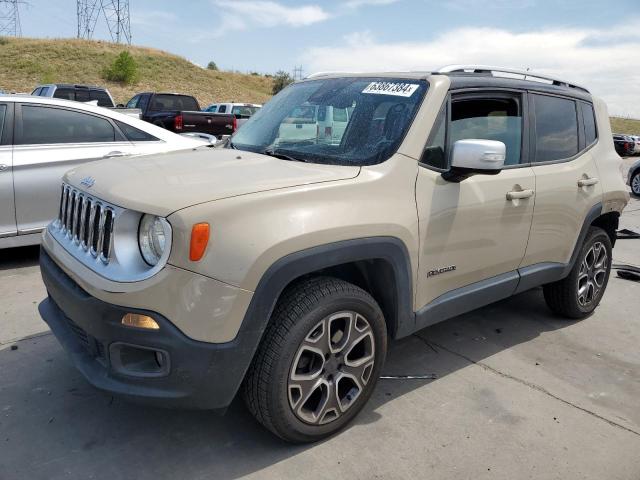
41, 138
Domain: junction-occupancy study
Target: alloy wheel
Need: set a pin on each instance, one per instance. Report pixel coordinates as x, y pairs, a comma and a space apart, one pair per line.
331, 368
635, 184
592, 274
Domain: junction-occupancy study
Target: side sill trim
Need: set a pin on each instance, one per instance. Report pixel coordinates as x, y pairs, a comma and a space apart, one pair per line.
465, 299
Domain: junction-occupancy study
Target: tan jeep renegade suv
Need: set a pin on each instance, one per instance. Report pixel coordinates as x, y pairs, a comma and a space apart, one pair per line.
280, 264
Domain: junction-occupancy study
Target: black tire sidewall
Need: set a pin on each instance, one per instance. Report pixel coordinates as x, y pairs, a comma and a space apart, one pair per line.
594, 235
284, 420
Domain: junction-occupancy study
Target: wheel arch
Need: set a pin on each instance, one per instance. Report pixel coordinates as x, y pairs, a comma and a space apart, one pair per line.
376, 264
609, 223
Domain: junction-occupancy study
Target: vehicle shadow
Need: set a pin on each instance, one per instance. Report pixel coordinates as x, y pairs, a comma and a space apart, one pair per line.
80, 432
19, 257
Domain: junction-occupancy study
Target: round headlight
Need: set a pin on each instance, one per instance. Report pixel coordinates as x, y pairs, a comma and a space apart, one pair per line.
151, 238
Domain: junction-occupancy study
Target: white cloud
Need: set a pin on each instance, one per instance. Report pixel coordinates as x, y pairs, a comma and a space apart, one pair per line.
364, 3
241, 14
596, 58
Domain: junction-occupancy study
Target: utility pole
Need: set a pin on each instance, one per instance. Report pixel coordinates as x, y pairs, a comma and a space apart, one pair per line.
297, 73
10, 18
115, 13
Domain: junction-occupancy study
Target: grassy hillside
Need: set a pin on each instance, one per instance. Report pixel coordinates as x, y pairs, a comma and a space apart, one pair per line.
625, 125
26, 62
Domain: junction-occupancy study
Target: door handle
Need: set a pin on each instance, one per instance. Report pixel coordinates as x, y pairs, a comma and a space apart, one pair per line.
519, 194
115, 154
3, 167
587, 182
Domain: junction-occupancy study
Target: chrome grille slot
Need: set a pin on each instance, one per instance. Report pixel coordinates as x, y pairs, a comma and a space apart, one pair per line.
86, 222
95, 231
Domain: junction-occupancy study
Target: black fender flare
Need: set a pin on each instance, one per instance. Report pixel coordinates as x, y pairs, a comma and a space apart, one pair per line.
291, 267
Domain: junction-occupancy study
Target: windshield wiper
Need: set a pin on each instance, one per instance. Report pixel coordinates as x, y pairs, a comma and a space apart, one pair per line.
272, 152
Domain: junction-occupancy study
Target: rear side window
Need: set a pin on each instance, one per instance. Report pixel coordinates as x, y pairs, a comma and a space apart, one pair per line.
65, 93
556, 124
3, 110
222, 109
82, 95
489, 119
46, 125
589, 120
101, 96
134, 134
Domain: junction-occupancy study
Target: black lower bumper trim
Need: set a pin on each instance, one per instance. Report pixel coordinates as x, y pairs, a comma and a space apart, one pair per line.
202, 375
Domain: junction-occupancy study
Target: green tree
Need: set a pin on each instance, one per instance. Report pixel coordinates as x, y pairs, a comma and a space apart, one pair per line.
212, 65
124, 69
280, 80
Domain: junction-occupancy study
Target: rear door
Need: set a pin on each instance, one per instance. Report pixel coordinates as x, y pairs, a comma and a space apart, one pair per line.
7, 207
48, 142
567, 184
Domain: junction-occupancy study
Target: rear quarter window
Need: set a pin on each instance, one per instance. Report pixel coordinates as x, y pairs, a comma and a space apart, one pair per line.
556, 128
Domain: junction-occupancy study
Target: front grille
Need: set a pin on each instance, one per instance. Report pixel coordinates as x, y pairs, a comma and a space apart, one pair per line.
87, 222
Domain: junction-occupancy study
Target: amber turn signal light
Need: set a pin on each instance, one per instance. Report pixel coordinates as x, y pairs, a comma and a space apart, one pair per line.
140, 321
199, 241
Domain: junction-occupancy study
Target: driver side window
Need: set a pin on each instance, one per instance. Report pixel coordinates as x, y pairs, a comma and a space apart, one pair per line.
496, 117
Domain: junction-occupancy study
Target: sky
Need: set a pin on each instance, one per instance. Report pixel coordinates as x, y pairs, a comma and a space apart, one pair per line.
588, 42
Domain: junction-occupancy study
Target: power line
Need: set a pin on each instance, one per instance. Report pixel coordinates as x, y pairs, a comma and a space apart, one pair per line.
116, 16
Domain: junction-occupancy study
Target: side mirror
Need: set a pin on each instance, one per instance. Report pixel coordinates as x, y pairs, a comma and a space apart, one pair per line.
474, 157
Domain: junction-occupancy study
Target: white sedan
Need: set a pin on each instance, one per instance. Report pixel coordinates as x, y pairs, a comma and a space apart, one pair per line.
41, 138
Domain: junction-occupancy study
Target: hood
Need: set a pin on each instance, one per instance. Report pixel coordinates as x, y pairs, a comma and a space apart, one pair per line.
162, 184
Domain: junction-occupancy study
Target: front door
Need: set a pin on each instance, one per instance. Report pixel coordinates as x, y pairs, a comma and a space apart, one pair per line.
473, 231
7, 207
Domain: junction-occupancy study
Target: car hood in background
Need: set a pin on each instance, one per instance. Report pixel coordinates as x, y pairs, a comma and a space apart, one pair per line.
162, 184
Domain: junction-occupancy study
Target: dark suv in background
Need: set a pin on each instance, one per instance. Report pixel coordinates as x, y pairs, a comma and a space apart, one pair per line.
624, 144
79, 93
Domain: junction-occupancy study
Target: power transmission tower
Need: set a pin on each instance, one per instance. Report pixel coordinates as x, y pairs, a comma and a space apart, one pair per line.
10, 18
88, 11
116, 12
116, 15
297, 73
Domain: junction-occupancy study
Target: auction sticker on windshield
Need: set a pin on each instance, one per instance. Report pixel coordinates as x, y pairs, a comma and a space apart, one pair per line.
399, 89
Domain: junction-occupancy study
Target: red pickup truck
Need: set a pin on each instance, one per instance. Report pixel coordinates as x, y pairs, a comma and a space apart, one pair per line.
181, 114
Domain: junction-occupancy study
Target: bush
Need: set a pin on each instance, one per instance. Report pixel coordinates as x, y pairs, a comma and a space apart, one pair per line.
212, 65
124, 69
4, 40
280, 80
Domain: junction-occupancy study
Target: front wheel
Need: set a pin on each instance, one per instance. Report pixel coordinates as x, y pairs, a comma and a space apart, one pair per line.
577, 295
319, 360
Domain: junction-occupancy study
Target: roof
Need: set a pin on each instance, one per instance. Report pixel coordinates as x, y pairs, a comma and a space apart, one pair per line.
464, 80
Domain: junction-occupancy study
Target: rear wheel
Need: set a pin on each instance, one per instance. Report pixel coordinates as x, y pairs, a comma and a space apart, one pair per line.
635, 183
577, 295
319, 360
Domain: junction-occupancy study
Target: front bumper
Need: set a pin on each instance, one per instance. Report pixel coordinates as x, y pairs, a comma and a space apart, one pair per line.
194, 375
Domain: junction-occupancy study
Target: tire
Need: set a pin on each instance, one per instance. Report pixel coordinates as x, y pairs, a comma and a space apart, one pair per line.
635, 183
578, 295
298, 386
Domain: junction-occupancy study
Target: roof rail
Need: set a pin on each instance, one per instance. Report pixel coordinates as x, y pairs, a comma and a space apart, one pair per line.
324, 74
527, 75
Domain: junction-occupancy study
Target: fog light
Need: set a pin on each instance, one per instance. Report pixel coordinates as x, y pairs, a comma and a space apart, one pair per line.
140, 321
